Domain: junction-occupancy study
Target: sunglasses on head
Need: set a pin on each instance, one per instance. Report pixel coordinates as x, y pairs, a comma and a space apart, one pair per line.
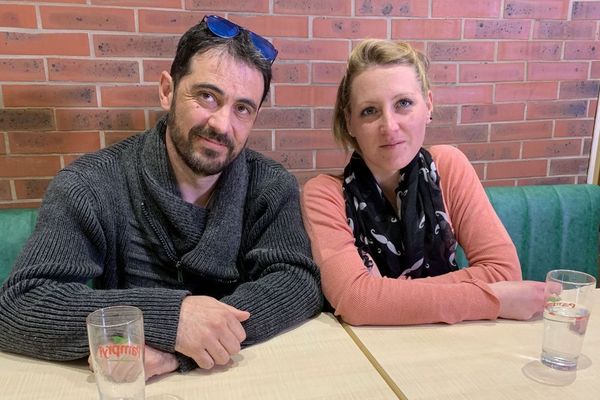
226, 29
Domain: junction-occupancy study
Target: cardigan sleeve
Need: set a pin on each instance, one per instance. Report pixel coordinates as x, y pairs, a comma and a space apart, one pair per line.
283, 286
361, 298
45, 301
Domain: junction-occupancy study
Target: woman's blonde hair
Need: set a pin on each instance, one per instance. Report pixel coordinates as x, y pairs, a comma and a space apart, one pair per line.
370, 53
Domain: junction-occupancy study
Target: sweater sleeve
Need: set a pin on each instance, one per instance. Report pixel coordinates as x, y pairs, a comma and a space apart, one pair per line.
282, 285
361, 298
491, 253
45, 301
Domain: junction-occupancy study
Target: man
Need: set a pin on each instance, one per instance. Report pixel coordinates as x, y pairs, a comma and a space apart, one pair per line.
182, 221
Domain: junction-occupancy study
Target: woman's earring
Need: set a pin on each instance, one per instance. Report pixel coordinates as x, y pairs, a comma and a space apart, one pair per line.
430, 118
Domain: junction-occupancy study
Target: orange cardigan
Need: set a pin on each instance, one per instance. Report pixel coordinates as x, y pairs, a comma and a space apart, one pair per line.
363, 298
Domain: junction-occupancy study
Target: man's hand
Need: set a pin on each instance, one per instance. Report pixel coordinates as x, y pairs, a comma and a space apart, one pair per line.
156, 362
519, 299
209, 331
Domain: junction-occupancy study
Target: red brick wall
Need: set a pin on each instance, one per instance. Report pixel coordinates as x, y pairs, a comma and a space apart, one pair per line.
516, 81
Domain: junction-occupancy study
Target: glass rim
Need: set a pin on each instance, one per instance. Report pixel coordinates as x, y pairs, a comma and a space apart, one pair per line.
97, 318
590, 279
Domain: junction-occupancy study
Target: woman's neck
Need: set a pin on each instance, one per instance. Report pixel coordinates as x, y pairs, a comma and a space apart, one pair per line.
388, 183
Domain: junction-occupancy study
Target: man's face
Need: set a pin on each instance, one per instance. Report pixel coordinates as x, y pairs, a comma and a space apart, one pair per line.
212, 112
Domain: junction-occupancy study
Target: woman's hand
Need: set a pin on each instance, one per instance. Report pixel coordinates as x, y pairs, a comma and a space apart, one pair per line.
519, 299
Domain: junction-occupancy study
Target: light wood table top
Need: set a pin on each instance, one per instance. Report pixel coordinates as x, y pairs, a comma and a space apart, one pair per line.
316, 360
479, 360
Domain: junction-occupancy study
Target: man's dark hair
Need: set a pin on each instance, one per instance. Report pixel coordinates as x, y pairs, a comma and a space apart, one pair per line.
199, 39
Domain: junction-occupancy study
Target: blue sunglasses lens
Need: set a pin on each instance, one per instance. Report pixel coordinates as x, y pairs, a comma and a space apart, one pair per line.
264, 46
222, 27
227, 29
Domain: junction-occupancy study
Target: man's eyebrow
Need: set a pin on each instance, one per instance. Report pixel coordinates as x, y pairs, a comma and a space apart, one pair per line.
197, 86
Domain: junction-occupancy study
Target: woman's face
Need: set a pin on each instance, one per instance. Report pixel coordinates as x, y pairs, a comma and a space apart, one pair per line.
388, 116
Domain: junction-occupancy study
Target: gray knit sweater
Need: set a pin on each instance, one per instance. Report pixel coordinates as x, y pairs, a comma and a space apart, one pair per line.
115, 221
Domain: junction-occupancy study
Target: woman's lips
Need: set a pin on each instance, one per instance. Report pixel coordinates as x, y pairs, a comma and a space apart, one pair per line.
393, 144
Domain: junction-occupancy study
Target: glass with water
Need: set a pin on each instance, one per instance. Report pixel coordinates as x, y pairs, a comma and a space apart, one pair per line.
568, 302
116, 339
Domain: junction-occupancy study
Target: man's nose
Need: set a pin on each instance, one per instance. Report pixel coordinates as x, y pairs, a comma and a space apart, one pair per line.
219, 120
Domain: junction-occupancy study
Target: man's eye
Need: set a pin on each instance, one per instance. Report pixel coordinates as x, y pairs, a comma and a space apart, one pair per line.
207, 97
243, 109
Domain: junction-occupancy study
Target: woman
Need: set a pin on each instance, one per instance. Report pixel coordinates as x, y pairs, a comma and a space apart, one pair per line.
384, 234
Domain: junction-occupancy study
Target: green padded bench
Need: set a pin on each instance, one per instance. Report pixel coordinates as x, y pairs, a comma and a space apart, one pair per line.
15, 227
552, 226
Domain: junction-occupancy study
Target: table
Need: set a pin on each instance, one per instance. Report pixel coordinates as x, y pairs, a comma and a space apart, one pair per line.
316, 360
477, 360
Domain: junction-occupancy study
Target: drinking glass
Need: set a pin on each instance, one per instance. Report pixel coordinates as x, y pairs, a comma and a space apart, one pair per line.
116, 339
569, 298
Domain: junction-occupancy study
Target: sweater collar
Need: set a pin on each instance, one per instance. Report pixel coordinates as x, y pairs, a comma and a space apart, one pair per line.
205, 241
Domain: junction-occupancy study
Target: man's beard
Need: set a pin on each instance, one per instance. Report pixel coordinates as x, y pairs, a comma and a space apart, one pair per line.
207, 162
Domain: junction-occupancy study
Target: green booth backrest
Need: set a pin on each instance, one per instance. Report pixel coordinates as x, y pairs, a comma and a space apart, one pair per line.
16, 226
552, 226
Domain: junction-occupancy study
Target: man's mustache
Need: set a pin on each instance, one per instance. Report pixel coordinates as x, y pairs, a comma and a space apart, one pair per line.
211, 134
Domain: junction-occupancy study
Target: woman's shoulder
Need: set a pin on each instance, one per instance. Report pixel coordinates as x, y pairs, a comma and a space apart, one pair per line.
322, 183
445, 151
447, 157
322, 192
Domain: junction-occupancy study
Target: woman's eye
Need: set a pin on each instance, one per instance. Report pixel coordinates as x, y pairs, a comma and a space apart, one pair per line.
404, 103
368, 111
